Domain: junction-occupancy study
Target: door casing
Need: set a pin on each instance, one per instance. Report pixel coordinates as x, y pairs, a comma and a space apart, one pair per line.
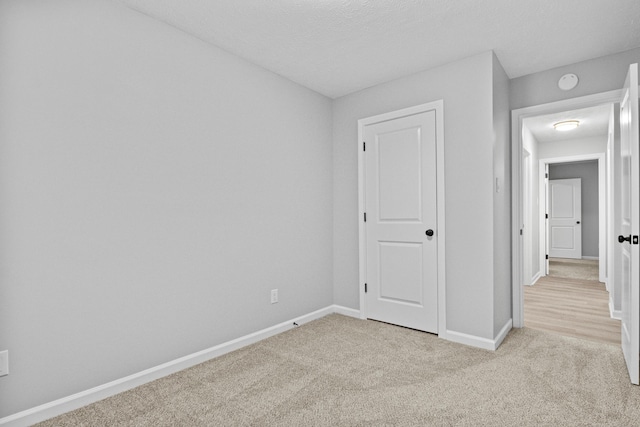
603, 217
438, 107
517, 118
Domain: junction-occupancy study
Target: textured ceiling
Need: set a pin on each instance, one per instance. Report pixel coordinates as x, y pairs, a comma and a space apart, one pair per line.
336, 47
594, 121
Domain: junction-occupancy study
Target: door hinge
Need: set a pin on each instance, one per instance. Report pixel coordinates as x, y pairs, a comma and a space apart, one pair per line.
521, 231
546, 216
365, 217
365, 288
546, 175
546, 257
364, 146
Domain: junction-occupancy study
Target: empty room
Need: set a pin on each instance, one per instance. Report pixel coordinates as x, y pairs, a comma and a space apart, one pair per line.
205, 214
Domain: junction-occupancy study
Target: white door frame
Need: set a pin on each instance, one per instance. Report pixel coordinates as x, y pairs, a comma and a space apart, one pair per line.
602, 207
517, 118
438, 107
527, 235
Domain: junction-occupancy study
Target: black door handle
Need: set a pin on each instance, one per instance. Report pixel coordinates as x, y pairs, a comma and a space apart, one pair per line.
577, 222
621, 239
429, 232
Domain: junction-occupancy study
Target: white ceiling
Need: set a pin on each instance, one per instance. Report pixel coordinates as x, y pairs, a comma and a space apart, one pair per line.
336, 47
594, 121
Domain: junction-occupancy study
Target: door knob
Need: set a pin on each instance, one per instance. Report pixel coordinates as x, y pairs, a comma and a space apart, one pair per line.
621, 239
429, 232
577, 222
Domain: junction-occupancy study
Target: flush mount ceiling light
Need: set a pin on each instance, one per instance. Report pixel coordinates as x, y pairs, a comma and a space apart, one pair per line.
566, 125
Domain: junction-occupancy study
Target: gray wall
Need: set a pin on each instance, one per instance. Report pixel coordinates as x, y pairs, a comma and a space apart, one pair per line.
572, 147
596, 76
501, 199
154, 190
588, 173
467, 90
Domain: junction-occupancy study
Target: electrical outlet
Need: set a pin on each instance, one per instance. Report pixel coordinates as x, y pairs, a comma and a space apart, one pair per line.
4, 363
274, 296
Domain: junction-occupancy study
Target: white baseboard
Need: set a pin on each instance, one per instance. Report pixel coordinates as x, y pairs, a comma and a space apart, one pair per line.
480, 342
535, 278
345, 311
503, 333
591, 257
78, 400
615, 314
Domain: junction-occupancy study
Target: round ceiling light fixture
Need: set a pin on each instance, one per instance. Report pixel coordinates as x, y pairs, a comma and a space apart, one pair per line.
566, 125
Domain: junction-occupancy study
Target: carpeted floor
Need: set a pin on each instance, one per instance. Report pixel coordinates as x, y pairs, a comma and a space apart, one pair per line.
581, 269
340, 371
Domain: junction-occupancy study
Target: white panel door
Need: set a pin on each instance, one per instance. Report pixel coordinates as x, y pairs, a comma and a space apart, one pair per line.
565, 210
400, 203
629, 219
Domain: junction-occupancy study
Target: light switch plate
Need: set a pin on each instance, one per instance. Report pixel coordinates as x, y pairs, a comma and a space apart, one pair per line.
4, 363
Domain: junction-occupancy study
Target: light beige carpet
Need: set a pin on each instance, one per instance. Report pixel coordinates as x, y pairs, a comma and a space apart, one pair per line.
339, 371
581, 269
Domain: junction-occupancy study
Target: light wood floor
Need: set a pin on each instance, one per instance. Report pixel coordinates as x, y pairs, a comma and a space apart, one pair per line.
573, 307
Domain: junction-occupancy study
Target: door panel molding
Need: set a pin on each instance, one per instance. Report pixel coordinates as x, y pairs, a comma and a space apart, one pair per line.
438, 108
543, 165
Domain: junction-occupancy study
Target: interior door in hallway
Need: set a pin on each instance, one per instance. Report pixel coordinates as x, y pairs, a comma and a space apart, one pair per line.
400, 203
629, 215
565, 210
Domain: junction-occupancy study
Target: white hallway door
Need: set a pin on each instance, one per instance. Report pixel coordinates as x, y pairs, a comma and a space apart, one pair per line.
565, 210
628, 211
401, 213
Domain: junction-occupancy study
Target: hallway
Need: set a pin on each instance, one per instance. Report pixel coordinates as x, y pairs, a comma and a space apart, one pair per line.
571, 306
